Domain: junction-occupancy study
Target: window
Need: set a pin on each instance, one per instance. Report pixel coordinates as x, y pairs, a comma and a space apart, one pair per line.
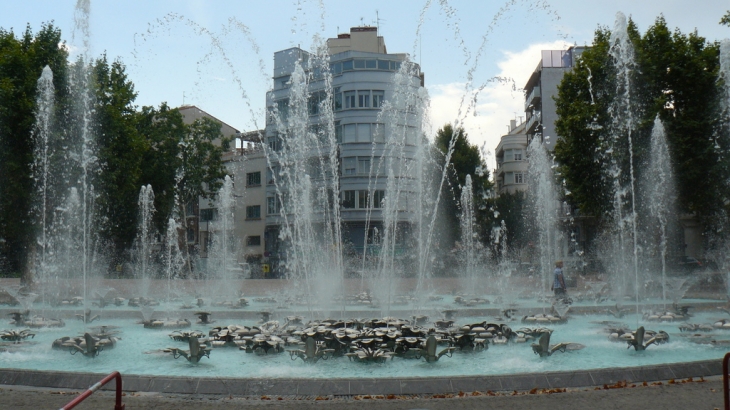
347, 65
253, 178
363, 165
336, 68
509, 178
314, 101
363, 99
253, 212
350, 133
378, 199
411, 134
378, 134
271, 174
349, 99
348, 199
191, 235
518, 154
519, 178
283, 108
362, 197
378, 98
207, 215
274, 143
348, 165
383, 65
338, 99
253, 241
363, 133
359, 64
272, 205
338, 131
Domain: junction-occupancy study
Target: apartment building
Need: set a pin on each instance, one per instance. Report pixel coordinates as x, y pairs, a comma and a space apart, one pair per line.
511, 155
362, 80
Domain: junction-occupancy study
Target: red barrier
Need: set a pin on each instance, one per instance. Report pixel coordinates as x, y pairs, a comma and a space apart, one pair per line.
725, 391
117, 406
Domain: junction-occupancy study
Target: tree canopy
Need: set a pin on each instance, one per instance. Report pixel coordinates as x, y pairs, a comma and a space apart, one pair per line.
466, 159
128, 147
675, 77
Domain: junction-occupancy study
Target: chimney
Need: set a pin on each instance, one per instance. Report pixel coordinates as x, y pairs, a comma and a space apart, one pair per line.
512, 125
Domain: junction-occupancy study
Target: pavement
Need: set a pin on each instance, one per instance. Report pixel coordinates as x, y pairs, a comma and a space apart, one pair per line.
695, 394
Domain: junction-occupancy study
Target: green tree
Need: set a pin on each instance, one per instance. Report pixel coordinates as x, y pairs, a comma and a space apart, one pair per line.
675, 79
21, 63
725, 20
120, 152
465, 160
161, 129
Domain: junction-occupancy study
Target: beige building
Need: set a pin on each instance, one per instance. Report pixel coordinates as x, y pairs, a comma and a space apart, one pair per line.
511, 173
246, 164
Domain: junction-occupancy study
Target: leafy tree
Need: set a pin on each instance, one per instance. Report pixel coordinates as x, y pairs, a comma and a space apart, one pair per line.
120, 151
161, 131
675, 79
21, 62
725, 20
465, 160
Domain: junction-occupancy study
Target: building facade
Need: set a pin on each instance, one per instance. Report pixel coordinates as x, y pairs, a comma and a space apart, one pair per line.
511, 155
360, 81
245, 163
540, 90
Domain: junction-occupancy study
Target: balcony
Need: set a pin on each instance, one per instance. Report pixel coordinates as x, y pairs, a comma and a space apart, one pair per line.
532, 123
533, 99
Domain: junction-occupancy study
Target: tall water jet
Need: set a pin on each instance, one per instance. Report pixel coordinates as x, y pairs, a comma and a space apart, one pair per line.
172, 259
222, 255
403, 163
146, 234
724, 76
42, 140
545, 206
469, 242
661, 192
621, 150
306, 185
84, 145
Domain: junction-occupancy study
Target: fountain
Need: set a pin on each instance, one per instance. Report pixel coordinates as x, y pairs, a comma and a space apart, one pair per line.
144, 243
316, 300
660, 192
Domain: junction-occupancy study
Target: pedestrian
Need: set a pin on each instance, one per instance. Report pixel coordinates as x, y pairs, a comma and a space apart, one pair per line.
559, 283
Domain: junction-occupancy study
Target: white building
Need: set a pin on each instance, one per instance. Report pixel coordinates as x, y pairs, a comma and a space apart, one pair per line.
362, 79
511, 173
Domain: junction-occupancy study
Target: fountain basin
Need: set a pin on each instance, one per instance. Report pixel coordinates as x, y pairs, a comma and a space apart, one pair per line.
354, 386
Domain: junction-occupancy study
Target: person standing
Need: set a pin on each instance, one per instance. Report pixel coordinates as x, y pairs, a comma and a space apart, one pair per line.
559, 282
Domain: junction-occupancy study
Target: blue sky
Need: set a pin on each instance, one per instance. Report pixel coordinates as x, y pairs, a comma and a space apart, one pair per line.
170, 57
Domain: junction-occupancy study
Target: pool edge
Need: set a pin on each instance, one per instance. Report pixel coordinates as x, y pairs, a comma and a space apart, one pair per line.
353, 386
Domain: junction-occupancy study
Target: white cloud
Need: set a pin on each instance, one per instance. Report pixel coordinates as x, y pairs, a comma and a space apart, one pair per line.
496, 104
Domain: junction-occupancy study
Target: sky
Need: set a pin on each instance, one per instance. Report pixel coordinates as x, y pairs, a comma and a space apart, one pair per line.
476, 54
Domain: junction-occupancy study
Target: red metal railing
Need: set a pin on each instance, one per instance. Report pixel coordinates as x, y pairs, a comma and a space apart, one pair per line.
725, 391
117, 406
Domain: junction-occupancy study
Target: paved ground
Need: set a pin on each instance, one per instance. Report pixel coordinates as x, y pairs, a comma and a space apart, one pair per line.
694, 395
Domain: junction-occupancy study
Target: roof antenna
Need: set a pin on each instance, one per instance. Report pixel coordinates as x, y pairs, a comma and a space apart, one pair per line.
183, 98
377, 20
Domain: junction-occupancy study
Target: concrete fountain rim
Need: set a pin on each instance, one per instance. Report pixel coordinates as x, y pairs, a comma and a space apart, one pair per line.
354, 386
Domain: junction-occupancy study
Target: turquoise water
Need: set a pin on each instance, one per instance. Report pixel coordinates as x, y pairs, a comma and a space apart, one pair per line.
129, 357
